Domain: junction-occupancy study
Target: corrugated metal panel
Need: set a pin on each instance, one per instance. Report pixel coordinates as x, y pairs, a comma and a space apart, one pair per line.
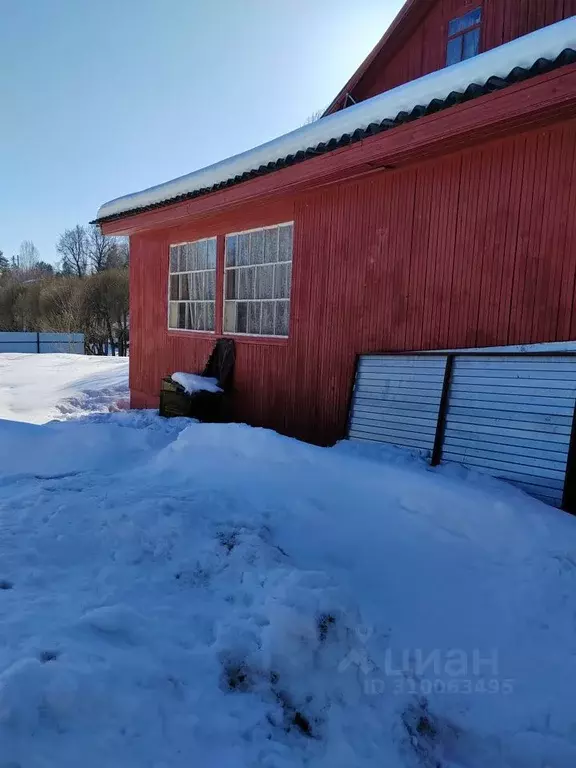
396, 400
512, 417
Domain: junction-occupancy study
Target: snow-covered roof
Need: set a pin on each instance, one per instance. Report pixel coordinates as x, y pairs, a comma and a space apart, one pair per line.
547, 43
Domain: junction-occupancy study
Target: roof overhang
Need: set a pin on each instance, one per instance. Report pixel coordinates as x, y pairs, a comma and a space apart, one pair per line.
532, 103
528, 56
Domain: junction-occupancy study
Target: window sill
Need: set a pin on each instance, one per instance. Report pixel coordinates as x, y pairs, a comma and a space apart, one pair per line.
240, 338
188, 333
245, 338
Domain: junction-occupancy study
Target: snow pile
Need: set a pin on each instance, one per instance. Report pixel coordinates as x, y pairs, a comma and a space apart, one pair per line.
38, 388
192, 382
176, 594
547, 43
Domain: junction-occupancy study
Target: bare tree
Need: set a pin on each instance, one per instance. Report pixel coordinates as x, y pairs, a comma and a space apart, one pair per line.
314, 117
60, 304
119, 256
117, 291
10, 307
27, 306
4, 266
73, 246
28, 256
100, 248
105, 311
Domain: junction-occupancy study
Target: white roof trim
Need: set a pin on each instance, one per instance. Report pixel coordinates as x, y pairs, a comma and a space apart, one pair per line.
547, 43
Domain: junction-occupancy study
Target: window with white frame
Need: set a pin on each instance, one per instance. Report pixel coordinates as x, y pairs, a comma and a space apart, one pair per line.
192, 287
258, 275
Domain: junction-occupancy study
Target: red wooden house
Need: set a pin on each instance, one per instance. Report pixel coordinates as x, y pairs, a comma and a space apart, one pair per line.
432, 207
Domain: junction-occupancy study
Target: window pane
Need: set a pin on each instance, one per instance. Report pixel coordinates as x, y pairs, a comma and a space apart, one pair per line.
187, 259
251, 282
174, 287
200, 317
184, 289
184, 257
193, 259
231, 283
201, 254
211, 253
257, 247
454, 27
264, 281
268, 318
176, 257
281, 281
454, 51
271, 245
243, 255
210, 285
254, 311
183, 266
285, 243
471, 43
245, 284
182, 315
230, 317
173, 315
231, 250
241, 316
462, 23
281, 325
200, 285
210, 316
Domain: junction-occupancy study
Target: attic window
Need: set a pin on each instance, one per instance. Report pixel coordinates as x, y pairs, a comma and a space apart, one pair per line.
464, 37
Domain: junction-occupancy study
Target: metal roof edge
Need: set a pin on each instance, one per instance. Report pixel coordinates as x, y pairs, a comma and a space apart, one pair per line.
493, 83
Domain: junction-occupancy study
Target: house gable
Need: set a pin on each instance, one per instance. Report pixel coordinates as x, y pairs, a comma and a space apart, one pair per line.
415, 44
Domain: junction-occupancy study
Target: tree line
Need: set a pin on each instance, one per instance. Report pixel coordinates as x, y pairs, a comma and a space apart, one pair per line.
87, 292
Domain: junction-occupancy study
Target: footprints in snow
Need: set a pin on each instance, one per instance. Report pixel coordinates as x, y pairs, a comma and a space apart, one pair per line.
46, 656
249, 544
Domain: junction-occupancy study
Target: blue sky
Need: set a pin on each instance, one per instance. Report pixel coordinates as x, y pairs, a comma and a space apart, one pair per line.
103, 98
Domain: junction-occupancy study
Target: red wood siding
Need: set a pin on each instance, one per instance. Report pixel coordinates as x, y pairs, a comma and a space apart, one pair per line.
424, 50
477, 248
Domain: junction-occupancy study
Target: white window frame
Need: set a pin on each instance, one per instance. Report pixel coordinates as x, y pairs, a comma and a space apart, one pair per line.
288, 301
190, 272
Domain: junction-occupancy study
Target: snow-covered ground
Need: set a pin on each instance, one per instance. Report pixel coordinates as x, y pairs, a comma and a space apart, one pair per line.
38, 388
175, 594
